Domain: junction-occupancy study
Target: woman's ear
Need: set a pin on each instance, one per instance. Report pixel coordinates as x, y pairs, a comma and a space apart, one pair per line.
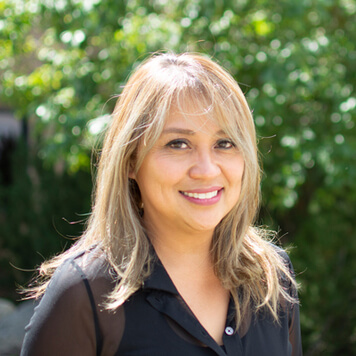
132, 173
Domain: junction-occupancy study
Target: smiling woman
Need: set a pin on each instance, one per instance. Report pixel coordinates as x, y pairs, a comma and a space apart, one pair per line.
202, 179
170, 262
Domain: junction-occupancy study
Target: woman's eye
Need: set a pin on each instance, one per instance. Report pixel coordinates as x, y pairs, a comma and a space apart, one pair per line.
177, 144
225, 144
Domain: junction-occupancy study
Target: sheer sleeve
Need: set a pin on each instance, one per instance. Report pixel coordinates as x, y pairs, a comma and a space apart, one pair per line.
292, 310
294, 332
64, 321
294, 320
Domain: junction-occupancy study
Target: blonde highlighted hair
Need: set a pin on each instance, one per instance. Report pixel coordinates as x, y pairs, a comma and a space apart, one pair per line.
245, 261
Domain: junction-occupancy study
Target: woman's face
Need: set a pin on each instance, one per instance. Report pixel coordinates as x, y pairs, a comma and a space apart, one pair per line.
191, 178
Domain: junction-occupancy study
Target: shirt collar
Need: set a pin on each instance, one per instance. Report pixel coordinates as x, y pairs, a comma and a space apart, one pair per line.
159, 279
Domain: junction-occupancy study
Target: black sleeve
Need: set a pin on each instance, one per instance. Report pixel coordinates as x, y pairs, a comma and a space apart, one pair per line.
294, 319
64, 321
294, 332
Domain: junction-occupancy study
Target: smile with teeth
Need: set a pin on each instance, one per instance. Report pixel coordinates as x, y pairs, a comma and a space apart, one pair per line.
201, 196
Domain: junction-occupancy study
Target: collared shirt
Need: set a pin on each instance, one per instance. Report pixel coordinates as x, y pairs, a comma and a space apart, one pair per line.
155, 321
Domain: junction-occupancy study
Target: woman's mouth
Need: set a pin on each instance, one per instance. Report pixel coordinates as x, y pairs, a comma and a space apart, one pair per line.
201, 196
209, 197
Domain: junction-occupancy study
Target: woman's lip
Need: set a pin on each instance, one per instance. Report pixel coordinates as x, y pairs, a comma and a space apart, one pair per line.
202, 191
207, 198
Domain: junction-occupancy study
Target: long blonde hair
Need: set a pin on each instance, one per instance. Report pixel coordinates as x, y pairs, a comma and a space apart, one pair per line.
245, 261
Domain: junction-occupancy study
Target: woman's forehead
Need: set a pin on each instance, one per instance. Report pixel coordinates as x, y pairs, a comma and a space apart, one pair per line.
199, 114
190, 122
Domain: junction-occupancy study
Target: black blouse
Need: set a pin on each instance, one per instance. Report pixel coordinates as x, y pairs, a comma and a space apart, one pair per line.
70, 320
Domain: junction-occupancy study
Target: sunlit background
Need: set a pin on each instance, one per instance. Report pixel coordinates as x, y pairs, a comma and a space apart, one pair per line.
62, 62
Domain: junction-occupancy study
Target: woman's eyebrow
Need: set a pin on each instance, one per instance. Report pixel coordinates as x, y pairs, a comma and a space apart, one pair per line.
221, 133
178, 130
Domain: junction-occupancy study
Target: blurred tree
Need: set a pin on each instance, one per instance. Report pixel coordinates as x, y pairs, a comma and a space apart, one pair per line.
63, 62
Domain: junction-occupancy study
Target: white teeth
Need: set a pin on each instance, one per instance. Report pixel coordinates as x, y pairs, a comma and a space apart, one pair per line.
202, 195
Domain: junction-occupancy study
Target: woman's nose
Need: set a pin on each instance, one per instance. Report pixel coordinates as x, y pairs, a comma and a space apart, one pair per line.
205, 166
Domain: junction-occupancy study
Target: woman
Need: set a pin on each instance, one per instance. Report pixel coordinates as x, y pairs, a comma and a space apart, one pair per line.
170, 263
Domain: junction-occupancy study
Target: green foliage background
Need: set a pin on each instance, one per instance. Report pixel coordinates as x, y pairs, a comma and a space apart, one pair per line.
63, 61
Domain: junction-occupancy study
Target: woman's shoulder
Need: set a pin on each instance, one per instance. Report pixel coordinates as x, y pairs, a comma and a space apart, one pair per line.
281, 251
76, 289
287, 277
285, 257
70, 307
82, 273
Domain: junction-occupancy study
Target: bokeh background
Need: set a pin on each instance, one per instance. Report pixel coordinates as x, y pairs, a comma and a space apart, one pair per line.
62, 62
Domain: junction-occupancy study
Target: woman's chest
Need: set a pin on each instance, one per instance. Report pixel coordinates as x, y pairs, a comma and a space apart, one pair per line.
158, 324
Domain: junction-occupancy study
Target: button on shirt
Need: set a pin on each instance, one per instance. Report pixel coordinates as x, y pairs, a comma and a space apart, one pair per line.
229, 330
154, 321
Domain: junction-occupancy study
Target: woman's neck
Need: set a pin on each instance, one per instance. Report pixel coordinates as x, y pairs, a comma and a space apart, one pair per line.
182, 251
187, 260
